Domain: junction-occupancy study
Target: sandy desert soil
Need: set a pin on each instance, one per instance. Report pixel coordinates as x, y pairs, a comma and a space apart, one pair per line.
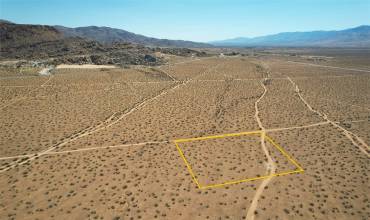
99, 143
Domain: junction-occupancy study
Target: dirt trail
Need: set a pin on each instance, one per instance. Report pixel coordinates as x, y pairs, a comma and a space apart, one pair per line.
181, 62
219, 80
12, 102
357, 141
110, 121
168, 141
155, 72
169, 75
270, 164
47, 81
83, 149
28, 86
220, 109
25, 97
345, 103
144, 103
298, 127
256, 114
18, 77
187, 61
152, 82
107, 147
332, 67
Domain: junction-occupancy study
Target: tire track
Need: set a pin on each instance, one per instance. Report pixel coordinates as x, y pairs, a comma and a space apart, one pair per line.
25, 96
356, 140
332, 67
168, 141
271, 167
220, 109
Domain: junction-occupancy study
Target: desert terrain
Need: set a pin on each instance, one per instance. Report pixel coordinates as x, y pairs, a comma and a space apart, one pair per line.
269, 134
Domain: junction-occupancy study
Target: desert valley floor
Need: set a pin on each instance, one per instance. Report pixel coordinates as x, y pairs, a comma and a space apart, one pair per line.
198, 138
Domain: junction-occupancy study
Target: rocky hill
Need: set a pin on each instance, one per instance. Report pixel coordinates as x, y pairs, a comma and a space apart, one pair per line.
40, 42
107, 35
15, 35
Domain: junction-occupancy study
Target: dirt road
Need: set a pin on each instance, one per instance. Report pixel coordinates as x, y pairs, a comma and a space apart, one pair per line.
271, 167
357, 141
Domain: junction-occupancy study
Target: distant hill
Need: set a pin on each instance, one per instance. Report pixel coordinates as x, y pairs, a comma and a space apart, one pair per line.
354, 37
107, 35
41, 41
18, 33
35, 42
15, 35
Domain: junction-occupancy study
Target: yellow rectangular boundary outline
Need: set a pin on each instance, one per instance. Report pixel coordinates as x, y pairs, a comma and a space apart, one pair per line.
217, 136
266, 137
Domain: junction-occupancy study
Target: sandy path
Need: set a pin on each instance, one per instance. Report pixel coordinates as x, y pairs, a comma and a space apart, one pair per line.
234, 79
87, 149
167, 73
28, 86
297, 127
47, 81
181, 62
332, 67
153, 82
275, 78
256, 114
345, 103
142, 104
18, 77
108, 147
24, 97
187, 61
270, 164
357, 141
168, 141
12, 102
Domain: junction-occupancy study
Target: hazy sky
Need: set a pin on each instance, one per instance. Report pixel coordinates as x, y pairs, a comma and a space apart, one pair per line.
198, 20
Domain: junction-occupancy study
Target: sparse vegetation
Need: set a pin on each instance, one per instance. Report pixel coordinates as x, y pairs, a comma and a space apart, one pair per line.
97, 143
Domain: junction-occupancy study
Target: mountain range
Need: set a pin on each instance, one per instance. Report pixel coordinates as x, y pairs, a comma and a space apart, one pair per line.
107, 35
98, 45
353, 37
18, 33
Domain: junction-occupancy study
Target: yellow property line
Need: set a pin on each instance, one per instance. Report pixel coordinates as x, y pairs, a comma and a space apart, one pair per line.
217, 136
299, 170
250, 179
284, 153
188, 165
